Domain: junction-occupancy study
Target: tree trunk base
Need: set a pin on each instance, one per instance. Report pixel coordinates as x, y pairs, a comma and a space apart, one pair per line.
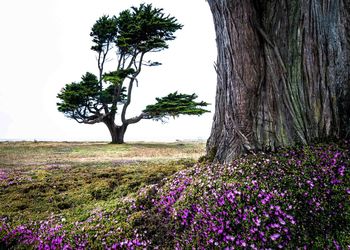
117, 132
283, 74
117, 142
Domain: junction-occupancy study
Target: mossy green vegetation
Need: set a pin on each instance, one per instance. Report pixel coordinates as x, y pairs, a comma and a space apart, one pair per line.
73, 179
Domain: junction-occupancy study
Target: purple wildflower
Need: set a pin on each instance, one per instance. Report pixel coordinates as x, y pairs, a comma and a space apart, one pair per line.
275, 236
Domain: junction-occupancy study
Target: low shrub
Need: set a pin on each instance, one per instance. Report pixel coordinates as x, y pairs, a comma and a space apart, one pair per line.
293, 198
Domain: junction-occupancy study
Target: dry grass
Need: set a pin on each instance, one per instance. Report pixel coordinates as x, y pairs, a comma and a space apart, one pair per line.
61, 153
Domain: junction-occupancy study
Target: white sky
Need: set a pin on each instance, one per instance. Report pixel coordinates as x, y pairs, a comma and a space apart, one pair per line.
45, 44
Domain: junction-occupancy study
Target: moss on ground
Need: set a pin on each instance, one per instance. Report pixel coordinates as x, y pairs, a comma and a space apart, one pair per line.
72, 179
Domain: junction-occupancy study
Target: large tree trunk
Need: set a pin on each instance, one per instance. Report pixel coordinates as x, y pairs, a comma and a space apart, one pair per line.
117, 132
283, 74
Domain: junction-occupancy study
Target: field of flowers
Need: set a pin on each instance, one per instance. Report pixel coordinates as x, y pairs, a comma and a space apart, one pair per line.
292, 198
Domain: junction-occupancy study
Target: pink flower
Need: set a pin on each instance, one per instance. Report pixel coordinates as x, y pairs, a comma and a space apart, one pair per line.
275, 236
256, 221
282, 222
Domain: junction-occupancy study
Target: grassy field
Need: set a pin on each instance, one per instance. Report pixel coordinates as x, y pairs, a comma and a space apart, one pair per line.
72, 179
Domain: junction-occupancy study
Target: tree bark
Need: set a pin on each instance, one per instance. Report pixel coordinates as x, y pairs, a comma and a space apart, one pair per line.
283, 74
117, 132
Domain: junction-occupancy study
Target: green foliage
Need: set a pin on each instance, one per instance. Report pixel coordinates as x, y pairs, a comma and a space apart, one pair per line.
77, 95
175, 104
103, 32
84, 100
117, 77
144, 29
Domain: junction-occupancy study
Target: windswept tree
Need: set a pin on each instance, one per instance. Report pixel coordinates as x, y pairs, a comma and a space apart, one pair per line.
283, 74
131, 35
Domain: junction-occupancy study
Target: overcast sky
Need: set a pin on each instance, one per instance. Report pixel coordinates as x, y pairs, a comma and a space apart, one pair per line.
45, 44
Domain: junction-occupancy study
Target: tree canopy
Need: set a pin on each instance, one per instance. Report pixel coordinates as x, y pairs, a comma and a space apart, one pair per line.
99, 98
175, 104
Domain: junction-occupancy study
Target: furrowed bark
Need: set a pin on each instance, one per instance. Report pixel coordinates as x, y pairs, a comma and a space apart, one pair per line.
283, 74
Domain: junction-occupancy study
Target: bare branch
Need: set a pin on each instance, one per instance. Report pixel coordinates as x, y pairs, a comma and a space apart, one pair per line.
132, 79
135, 119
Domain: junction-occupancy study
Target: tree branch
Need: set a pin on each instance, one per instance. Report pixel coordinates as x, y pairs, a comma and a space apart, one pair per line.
96, 112
81, 117
132, 79
116, 96
92, 119
104, 53
97, 120
135, 119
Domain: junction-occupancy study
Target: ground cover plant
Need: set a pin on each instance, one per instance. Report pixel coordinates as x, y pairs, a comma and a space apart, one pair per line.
292, 198
72, 181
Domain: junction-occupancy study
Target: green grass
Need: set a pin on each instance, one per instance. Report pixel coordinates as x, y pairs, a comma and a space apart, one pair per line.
71, 179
